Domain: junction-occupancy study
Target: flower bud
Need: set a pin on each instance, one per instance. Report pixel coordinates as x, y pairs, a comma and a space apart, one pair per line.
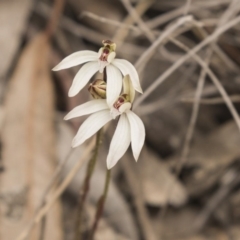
98, 89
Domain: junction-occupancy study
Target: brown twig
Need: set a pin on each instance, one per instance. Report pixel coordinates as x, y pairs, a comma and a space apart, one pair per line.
100, 205
187, 7
198, 93
109, 21
166, 34
142, 61
55, 16
173, 14
196, 105
138, 19
212, 101
191, 53
194, 115
198, 27
148, 33
86, 186
121, 33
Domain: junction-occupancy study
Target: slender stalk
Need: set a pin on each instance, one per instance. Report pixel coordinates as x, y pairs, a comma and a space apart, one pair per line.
86, 186
100, 206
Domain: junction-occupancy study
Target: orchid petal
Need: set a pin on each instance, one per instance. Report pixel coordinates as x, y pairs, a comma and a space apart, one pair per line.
114, 112
87, 108
127, 68
76, 58
114, 84
90, 126
82, 78
120, 142
137, 133
102, 65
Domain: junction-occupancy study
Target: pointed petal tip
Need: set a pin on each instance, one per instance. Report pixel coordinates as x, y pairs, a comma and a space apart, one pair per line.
55, 68
73, 146
74, 143
137, 134
71, 93
139, 89
110, 164
136, 156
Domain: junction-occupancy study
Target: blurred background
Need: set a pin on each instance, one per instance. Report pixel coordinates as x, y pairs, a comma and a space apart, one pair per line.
186, 184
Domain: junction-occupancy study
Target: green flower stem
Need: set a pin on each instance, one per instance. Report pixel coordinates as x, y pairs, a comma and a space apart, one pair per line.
100, 205
86, 186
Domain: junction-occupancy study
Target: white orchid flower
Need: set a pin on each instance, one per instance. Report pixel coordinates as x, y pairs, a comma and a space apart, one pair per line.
105, 58
130, 128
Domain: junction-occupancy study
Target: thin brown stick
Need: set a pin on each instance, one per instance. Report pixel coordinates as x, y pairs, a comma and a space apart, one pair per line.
200, 3
138, 19
122, 33
198, 27
221, 54
212, 101
175, 33
100, 205
196, 105
187, 7
149, 34
194, 115
185, 48
54, 17
145, 57
173, 14
151, 50
86, 186
231, 11
109, 21
191, 53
